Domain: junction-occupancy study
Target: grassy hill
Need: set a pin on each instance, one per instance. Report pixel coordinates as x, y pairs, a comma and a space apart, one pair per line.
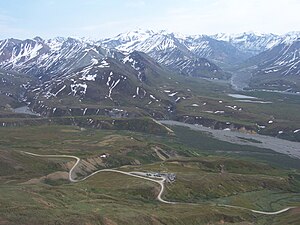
36, 190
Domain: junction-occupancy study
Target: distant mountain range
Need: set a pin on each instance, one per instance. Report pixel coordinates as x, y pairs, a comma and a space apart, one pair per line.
128, 69
189, 55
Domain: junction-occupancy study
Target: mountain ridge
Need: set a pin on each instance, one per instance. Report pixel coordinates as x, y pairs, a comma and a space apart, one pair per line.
138, 61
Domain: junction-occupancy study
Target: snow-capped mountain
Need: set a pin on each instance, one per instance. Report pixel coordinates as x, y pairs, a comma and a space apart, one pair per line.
169, 49
65, 74
129, 68
220, 52
48, 58
279, 66
250, 42
124, 41
189, 55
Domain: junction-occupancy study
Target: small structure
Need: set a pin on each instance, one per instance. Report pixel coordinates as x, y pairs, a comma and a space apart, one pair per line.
104, 156
170, 177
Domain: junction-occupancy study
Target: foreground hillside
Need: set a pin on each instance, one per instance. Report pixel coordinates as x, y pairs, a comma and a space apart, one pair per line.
36, 190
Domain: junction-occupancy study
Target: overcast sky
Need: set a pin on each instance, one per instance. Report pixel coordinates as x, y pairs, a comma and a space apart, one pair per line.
104, 18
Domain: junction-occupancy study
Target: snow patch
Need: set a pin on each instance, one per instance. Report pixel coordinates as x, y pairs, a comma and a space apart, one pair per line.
173, 94
177, 99
151, 96
260, 126
60, 90
219, 112
84, 111
231, 107
113, 85
104, 64
81, 88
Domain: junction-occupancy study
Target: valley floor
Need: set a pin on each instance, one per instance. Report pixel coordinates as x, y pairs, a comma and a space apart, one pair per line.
282, 146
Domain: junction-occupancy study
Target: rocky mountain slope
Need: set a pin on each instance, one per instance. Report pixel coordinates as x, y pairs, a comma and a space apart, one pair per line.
169, 50
250, 42
48, 58
219, 51
64, 76
105, 87
278, 67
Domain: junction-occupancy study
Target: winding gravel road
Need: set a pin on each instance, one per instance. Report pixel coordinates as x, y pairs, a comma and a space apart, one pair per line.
160, 182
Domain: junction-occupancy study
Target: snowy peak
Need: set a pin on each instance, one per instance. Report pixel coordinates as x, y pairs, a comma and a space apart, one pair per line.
127, 38
279, 67
283, 59
16, 52
250, 42
134, 35
160, 42
193, 55
47, 58
55, 43
168, 49
245, 35
145, 41
220, 48
216, 50
291, 37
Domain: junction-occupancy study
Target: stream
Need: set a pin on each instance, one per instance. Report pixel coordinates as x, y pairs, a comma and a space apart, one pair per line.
278, 145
